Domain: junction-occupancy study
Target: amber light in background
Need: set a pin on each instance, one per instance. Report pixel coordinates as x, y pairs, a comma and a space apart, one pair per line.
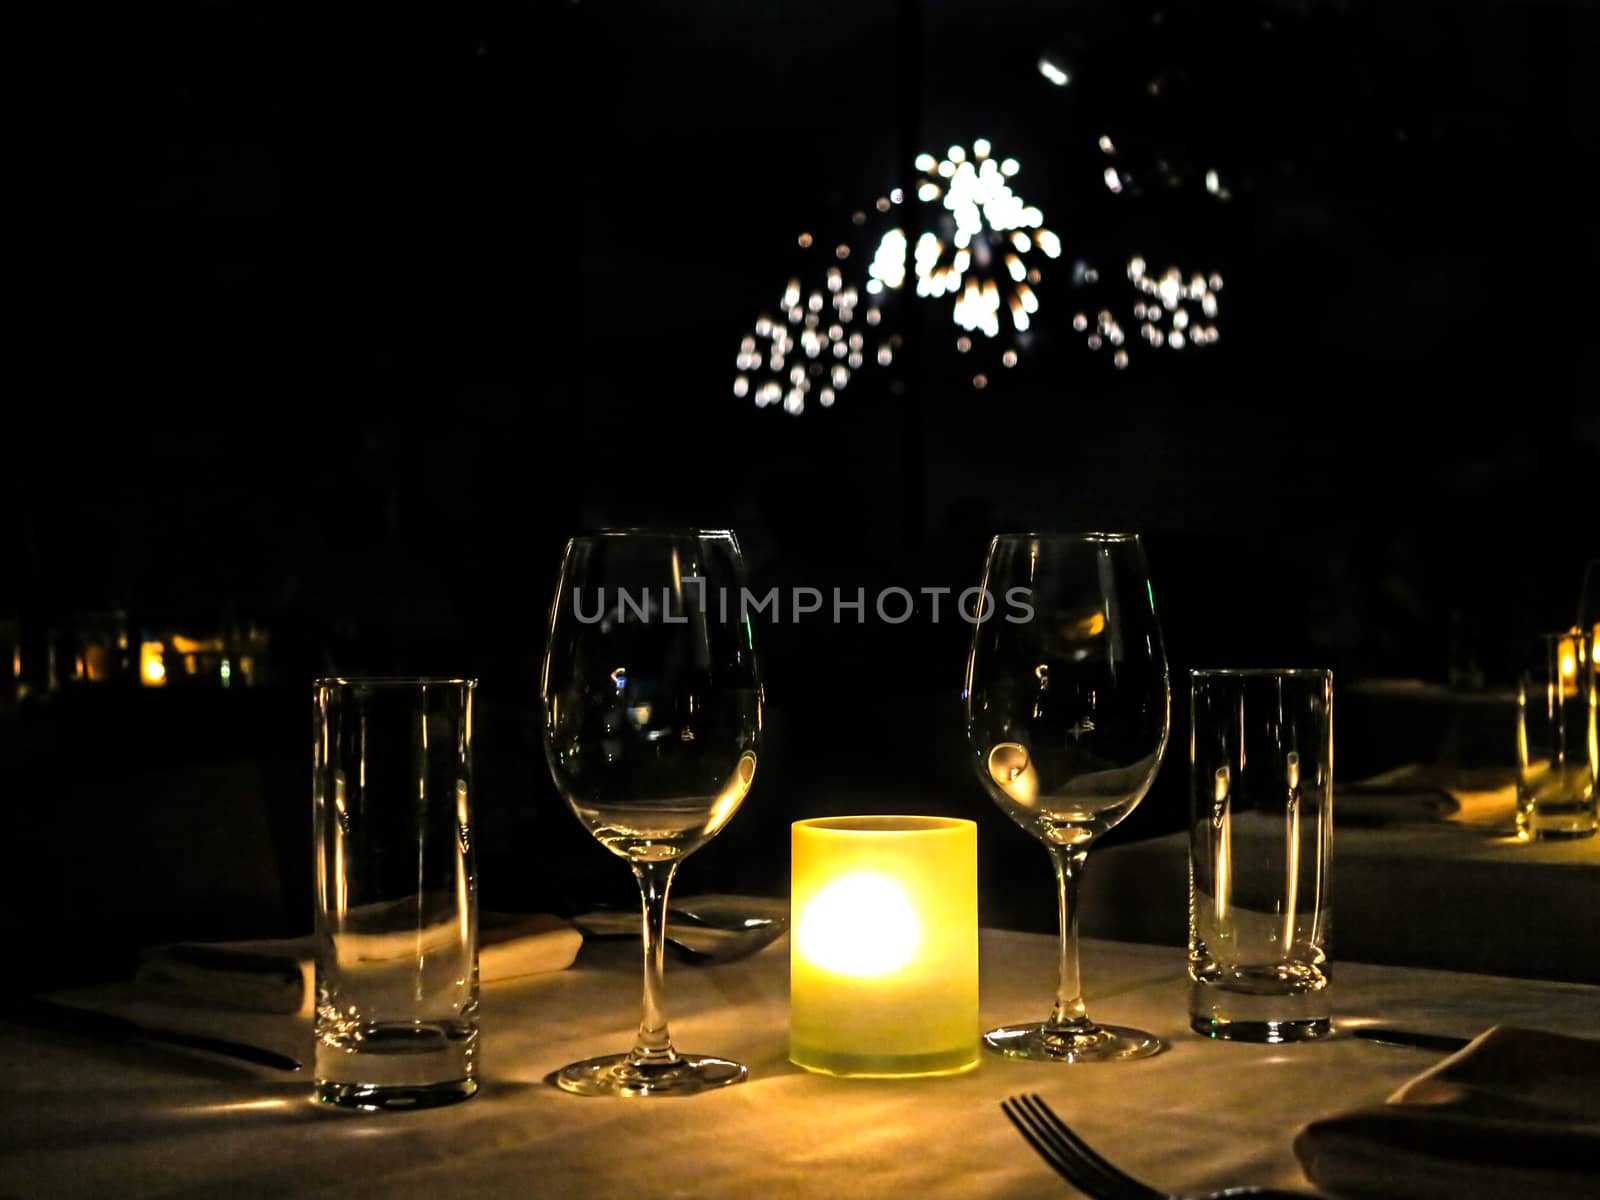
884, 956
1558, 747
1568, 652
152, 664
230, 659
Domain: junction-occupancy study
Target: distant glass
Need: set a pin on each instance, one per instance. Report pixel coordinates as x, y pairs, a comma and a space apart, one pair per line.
1067, 715
1557, 758
1260, 841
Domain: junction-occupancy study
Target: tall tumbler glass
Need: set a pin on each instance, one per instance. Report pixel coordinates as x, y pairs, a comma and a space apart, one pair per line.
1260, 839
397, 892
1557, 757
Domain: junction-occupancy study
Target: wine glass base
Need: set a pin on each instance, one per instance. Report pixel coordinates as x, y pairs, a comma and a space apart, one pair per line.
1104, 1043
374, 1097
615, 1075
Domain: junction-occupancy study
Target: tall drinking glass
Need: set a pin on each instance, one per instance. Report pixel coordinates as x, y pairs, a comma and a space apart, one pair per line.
1260, 840
397, 892
652, 707
1557, 756
1067, 714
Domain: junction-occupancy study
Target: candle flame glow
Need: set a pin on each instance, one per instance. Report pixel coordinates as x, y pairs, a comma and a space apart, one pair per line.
862, 925
152, 670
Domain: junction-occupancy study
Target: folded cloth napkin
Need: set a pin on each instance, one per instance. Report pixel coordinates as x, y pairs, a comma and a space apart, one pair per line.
277, 976
1357, 805
1481, 797
1514, 1114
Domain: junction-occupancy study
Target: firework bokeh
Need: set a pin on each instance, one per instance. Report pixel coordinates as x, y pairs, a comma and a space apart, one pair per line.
820, 336
1169, 310
980, 247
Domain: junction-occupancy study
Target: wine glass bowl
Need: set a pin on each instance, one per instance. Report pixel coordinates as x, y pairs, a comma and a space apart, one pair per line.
652, 704
1067, 715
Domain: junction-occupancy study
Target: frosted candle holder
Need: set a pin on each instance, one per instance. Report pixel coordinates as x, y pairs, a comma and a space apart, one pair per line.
883, 959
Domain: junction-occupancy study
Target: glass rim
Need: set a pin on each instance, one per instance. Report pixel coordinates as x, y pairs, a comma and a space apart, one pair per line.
325, 681
1577, 631
647, 531
884, 823
1259, 672
1090, 536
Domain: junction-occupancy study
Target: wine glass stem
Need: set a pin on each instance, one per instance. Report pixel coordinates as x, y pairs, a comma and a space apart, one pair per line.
653, 1046
1069, 1016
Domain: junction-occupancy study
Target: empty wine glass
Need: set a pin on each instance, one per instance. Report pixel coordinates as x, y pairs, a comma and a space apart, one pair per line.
652, 706
1067, 715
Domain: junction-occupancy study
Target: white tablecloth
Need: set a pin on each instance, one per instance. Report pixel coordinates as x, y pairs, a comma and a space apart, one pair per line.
82, 1118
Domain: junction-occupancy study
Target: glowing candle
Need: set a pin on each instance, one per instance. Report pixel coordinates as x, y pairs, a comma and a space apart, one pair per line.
883, 961
1568, 655
152, 671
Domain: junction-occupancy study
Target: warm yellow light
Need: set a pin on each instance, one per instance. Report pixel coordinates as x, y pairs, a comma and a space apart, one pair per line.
240, 1106
97, 664
463, 874
152, 671
1567, 650
1291, 903
1092, 625
188, 645
733, 792
883, 965
341, 877
1012, 770
1222, 818
861, 925
1522, 729
1594, 734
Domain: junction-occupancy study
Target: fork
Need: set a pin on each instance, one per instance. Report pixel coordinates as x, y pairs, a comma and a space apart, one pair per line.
1076, 1161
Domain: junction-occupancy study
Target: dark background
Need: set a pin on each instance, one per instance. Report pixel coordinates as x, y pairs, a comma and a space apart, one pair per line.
343, 322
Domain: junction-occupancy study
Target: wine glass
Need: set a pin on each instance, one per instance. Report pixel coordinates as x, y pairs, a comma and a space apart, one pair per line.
1067, 711
652, 705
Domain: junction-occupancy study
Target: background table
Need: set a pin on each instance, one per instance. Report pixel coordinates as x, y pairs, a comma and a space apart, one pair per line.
1383, 723
82, 1118
1442, 895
